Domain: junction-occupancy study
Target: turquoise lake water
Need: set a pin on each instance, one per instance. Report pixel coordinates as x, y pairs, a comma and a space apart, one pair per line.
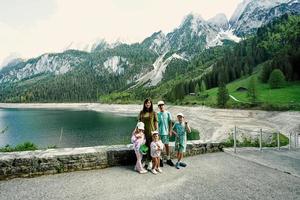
64, 128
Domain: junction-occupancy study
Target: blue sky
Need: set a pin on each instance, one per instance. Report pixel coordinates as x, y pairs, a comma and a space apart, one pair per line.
29, 28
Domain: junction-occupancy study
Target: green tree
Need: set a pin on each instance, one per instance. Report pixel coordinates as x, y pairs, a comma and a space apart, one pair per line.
252, 91
265, 72
223, 95
203, 86
179, 91
277, 79
197, 89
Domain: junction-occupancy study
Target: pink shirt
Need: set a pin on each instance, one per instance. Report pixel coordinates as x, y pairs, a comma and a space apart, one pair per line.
137, 141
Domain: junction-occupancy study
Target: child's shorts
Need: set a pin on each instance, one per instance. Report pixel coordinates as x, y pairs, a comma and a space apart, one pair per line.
180, 144
165, 139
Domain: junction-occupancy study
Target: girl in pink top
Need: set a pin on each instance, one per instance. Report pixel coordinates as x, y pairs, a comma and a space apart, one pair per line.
138, 139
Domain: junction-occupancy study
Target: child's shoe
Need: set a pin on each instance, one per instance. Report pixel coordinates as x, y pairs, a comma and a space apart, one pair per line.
143, 171
182, 164
159, 170
149, 166
177, 165
154, 171
161, 164
169, 162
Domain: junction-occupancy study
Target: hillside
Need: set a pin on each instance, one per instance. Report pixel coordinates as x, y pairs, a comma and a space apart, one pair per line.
286, 98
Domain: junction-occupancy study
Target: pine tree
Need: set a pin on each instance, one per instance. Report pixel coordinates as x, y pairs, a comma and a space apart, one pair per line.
197, 89
203, 86
223, 95
265, 72
252, 91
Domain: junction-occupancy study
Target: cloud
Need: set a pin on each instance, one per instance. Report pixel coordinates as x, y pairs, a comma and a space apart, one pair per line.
20, 13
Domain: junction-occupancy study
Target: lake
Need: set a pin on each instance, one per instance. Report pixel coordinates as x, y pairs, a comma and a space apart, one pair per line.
64, 128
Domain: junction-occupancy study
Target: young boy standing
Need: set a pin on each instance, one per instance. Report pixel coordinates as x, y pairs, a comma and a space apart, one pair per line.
180, 127
165, 130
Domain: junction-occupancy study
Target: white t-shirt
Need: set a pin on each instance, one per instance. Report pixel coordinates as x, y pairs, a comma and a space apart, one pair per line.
154, 148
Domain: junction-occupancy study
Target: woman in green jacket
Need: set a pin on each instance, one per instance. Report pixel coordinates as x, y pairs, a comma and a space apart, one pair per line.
149, 118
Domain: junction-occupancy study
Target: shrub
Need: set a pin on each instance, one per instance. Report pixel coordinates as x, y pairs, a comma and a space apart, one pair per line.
26, 146
277, 79
223, 95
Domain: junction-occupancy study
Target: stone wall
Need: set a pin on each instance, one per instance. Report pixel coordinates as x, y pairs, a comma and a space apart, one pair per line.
52, 161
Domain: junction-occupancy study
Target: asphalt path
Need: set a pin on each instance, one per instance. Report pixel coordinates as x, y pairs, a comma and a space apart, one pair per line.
209, 176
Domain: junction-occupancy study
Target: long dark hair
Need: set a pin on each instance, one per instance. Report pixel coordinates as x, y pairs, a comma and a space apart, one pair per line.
144, 107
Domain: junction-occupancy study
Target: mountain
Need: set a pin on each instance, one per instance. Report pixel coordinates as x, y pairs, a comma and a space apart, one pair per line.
158, 58
56, 64
220, 21
252, 14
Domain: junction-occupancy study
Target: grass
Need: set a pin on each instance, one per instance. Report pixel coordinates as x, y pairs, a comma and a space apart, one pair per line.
286, 98
26, 146
247, 142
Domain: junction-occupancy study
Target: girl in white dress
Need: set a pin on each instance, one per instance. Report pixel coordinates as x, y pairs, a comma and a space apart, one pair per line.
156, 149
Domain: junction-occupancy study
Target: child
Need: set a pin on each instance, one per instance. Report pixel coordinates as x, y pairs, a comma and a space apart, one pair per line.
165, 130
180, 128
138, 139
156, 148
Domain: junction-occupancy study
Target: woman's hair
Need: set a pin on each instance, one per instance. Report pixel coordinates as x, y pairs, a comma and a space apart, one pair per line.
144, 107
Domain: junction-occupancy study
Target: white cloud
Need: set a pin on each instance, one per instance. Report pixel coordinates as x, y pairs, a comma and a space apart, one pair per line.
84, 21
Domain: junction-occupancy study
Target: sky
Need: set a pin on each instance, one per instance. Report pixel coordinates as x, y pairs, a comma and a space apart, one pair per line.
29, 28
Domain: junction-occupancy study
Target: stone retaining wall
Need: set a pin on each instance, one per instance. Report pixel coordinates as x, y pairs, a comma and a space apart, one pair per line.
52, 161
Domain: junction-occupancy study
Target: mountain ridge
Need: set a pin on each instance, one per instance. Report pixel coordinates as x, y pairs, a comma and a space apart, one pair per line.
146, 63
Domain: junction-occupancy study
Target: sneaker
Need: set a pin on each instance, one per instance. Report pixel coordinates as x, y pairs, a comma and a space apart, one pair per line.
159, 170
149, 166
161, 164
169, 162
143, 171
154, 171
177, 165
182, 164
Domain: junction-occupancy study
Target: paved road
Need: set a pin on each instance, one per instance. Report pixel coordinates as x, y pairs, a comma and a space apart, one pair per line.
209, 176
284, 160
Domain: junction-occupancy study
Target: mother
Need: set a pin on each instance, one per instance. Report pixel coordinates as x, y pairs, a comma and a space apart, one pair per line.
149, 118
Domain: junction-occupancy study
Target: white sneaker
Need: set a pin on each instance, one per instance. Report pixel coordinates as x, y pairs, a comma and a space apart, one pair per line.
154, 171
150, 166
143, 171
159, 170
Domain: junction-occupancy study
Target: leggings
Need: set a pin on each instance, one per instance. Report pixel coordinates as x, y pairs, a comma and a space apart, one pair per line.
138, 165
